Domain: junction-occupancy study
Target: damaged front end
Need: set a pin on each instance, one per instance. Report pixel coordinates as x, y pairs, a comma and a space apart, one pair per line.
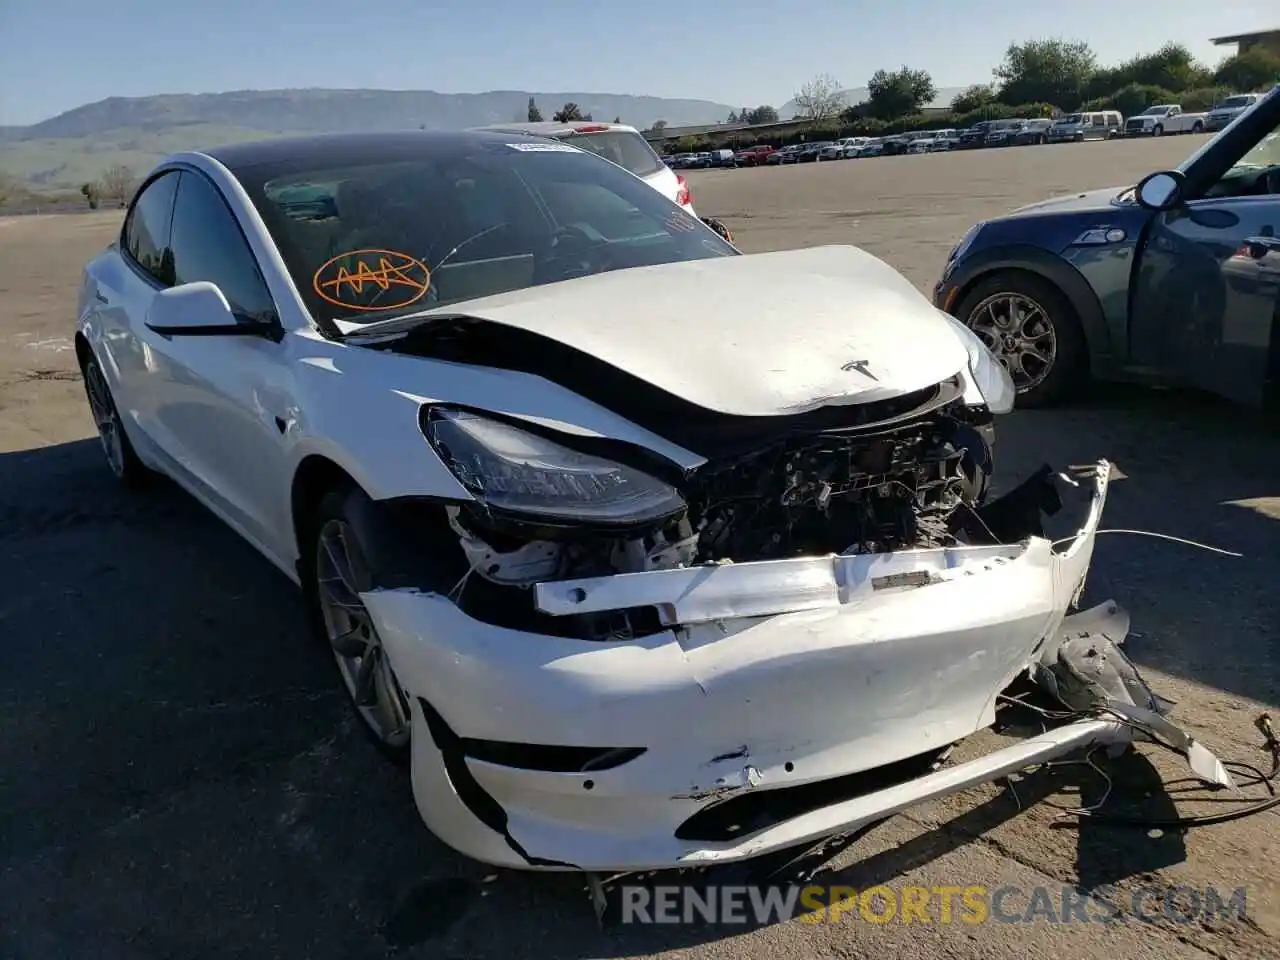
908, 474
629, 667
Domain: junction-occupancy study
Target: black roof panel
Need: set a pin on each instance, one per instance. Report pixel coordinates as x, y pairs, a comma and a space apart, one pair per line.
339, 149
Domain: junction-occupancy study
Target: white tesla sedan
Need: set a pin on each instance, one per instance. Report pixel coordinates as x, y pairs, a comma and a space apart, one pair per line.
646, 552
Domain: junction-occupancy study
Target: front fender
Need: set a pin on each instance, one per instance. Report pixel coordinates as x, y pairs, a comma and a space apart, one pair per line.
1037, 260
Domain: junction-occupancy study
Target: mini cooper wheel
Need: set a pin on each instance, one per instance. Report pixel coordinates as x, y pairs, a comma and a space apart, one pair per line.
338, 574
1032, 329
121, 458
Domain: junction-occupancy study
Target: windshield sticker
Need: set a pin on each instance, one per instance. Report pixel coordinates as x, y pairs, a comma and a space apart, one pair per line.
543, 148
372, 280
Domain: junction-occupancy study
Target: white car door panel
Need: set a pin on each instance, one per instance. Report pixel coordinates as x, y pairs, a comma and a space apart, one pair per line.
215, 405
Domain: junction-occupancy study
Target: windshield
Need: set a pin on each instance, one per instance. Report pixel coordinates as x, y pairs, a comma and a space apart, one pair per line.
1072, 118
1235, 102
382, 236
1266, 153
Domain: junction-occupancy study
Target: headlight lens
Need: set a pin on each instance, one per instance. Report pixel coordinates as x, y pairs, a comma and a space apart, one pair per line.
513, 470
987, 375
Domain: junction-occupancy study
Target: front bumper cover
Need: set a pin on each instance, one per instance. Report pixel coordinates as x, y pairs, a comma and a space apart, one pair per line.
769, 676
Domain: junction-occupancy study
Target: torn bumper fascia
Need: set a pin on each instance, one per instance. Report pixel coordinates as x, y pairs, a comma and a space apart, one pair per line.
771, 675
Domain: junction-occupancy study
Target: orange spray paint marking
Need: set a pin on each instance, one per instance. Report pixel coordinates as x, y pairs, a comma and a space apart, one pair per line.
362, 279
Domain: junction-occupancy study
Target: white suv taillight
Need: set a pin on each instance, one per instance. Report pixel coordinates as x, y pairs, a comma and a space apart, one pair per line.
684, 196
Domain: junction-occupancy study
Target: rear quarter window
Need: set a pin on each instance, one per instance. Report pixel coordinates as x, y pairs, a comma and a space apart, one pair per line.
628, 150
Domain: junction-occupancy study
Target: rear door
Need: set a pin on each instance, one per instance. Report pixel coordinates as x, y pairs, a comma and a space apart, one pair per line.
126, 285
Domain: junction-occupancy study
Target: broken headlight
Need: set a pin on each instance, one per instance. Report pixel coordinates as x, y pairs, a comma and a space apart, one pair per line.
515, 471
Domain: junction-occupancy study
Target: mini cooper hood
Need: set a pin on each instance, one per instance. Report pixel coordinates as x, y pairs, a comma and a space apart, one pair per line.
752, 335
1074, 203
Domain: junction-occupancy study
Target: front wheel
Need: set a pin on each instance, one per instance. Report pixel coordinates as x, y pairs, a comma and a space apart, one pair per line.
338, 572
1032, 329
1158, 131
1197, 127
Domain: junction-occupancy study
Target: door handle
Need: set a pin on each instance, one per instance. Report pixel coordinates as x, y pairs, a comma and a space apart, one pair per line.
97, 295
1259, 247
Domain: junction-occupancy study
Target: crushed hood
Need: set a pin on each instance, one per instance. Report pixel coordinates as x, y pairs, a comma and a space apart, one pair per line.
765, 334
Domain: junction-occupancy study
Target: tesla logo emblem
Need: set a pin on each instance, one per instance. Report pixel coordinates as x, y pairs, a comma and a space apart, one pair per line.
861, 367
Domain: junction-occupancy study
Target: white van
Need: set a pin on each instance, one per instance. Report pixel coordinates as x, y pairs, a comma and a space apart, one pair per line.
1093, 125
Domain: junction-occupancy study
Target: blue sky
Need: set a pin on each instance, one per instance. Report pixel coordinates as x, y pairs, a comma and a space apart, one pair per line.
59, 54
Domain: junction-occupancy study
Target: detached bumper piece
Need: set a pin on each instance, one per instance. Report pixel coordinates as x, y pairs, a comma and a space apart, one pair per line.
783, 702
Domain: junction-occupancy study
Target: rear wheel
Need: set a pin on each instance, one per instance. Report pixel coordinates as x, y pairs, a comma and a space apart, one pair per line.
121, 458
1032, 329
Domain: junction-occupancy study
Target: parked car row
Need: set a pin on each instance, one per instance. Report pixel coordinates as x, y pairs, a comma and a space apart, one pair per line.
1155, 121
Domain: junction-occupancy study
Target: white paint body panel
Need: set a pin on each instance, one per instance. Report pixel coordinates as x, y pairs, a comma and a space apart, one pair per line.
837, 678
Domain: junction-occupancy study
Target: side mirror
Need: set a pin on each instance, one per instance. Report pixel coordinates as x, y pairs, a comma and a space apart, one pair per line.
199, 309
1160, 191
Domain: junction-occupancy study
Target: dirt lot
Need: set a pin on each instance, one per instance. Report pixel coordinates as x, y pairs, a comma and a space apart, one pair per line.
181, 777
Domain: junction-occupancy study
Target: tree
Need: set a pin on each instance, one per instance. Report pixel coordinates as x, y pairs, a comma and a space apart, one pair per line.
820, 98
658, 126
733, 117
761, 114
1053, 71
567, 113
973, 98
91, 192
617, 119
117, 183
1249, 71
898, 94
1172, 67
535, 115
8, 187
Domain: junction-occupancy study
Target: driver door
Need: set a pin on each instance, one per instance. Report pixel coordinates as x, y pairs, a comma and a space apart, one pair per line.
1206, 292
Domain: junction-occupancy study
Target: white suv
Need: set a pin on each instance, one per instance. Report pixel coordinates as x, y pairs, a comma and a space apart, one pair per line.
613, 141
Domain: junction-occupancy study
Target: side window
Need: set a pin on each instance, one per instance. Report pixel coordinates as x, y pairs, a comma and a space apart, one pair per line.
207, 244
146, 228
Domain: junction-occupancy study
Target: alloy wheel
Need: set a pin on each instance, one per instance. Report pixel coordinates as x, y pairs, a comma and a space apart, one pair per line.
358, 649
106, 417
1017, 330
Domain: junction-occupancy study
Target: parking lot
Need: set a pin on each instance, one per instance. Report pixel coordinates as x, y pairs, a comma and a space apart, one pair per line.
181, 775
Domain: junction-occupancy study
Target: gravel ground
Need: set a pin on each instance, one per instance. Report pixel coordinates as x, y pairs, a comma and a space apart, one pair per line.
180, 777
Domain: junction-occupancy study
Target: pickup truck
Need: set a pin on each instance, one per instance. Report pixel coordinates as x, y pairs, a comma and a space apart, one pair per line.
753, 156
1223, 113
1164, 118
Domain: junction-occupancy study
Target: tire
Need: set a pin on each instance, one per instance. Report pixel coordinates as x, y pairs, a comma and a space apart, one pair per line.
344, 515
122, 459
1044, 385
1041, 140
1197, 127
1079, 138
1158, 131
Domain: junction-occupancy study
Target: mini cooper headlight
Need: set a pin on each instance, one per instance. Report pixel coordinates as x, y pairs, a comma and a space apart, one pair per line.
516, 471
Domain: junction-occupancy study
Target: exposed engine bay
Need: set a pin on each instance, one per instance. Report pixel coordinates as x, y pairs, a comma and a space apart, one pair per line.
913, 484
